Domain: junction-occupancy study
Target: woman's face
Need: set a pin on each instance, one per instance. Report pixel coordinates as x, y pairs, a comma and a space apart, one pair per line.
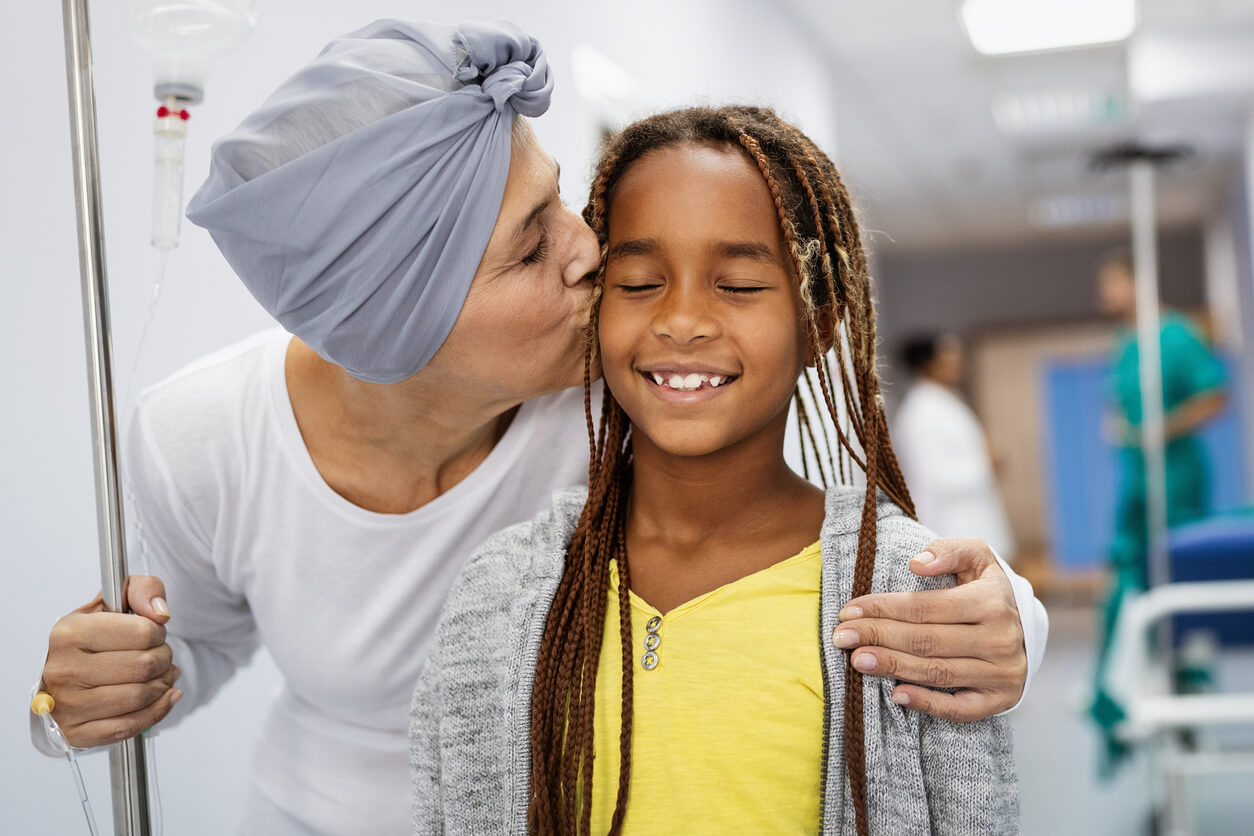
701, 326
521, 331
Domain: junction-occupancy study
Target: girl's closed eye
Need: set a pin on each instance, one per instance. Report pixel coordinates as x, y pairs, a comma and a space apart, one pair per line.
637, 285
639, 288
743, 289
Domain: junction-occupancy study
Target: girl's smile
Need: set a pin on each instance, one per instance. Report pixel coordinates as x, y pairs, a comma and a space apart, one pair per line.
686, 382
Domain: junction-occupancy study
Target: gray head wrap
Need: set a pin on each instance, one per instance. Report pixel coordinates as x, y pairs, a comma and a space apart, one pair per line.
356, 203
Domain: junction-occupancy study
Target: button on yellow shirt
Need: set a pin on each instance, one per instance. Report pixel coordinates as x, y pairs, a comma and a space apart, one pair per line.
727, 732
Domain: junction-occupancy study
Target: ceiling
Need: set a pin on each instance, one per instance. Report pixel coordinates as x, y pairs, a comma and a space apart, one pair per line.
930, 167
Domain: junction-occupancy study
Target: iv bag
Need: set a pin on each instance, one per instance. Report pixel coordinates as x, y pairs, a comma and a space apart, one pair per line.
183, 36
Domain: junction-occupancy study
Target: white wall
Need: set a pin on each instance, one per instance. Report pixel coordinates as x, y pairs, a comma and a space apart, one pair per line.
677, 53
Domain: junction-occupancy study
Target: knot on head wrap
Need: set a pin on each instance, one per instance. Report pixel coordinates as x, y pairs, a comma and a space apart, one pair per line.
512, 70
356, 202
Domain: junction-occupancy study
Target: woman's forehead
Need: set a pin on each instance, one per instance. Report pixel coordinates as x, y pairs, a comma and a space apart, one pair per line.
529, 189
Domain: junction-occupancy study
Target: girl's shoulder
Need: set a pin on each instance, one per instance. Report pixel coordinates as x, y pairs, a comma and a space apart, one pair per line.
536, 546
502, 594
470, 709
525, 559
898, 538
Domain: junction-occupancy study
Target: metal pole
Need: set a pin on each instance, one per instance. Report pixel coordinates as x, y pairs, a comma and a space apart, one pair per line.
1153, 426
1153, 440
126, 759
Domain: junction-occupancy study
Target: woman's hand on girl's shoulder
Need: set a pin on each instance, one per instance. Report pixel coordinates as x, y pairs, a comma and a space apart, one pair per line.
968, 638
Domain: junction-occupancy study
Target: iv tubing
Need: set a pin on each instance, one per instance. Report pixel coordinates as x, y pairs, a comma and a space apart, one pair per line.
127, 764
42, 706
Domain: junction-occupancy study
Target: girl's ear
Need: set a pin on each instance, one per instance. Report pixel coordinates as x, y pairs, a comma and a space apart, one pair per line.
827, 331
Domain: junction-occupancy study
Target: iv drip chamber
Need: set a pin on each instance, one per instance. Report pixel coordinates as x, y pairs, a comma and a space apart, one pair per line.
183, 36
170, 136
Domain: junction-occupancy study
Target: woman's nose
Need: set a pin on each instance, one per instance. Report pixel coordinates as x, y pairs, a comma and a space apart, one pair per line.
584, 254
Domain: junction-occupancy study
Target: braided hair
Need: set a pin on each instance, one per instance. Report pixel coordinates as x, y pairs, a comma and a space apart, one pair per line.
820, 232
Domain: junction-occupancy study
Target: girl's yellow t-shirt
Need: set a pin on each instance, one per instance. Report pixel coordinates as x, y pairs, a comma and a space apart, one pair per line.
727, 732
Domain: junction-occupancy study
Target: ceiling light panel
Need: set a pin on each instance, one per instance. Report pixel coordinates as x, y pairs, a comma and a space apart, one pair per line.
1005, 27
1072, 210
1059, 111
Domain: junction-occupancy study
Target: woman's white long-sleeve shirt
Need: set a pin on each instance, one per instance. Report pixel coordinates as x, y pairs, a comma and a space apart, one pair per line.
254, 548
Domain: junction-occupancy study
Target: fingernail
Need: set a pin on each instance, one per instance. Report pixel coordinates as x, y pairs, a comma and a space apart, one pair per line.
865, 662
924, 558
160, 607
177, 695
178, 673
846, 638
849, 613
901, 698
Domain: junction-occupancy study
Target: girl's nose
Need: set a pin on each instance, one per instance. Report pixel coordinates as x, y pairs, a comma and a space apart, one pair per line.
684, 316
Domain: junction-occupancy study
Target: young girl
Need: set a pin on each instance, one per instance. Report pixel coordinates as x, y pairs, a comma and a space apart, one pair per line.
651, 655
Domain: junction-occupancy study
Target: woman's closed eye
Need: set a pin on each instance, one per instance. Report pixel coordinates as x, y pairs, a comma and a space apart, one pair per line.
539, 253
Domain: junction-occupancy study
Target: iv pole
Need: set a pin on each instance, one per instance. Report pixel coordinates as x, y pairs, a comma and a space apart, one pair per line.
1148, 328
1140, 162
127, 766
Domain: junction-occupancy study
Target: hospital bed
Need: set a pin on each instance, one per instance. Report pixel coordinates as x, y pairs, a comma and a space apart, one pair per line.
1188, 735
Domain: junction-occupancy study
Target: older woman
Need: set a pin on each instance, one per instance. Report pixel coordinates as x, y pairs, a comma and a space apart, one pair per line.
317, 489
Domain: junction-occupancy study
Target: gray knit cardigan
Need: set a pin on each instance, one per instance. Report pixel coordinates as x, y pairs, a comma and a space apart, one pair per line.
470, 752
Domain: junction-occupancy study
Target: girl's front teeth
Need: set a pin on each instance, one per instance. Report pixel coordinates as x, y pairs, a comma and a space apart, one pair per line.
687, 383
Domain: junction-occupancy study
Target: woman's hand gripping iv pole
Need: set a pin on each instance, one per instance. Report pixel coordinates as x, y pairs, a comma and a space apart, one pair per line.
108, 676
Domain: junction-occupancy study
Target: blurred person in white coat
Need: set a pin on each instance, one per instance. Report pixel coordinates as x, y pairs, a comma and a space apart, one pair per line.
944, 453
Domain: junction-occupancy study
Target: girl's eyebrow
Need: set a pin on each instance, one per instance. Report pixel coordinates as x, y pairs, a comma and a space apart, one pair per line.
752, 250
635, 246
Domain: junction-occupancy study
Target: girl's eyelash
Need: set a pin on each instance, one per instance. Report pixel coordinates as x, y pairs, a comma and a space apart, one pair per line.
538, 254
636, 288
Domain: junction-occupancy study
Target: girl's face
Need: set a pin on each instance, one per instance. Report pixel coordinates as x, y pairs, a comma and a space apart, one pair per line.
701, 326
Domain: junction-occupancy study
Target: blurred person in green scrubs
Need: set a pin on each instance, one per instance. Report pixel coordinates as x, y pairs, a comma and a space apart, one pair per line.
1193, 380
1192, 391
